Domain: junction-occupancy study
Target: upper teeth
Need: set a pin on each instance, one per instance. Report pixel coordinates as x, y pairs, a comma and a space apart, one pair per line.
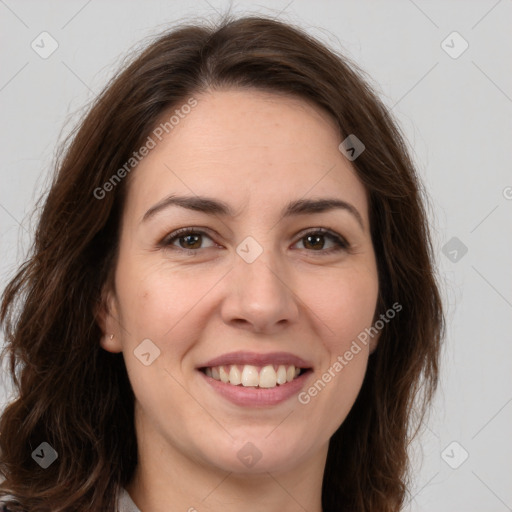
248, 375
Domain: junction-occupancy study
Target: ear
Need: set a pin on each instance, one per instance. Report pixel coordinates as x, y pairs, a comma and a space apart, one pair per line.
106, 316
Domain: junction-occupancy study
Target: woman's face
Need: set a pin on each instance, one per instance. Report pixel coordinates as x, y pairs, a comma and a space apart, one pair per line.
249, 290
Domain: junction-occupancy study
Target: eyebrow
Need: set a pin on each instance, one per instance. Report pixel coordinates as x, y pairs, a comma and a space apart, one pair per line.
212, 206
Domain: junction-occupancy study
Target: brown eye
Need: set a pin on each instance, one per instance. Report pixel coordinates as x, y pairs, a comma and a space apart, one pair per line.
187, 239
190, 241
316, 241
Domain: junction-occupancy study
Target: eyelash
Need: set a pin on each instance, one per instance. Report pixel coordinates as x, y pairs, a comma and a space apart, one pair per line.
341, 243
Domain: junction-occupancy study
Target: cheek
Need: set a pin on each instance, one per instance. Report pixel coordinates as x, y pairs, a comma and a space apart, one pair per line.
161, 302
344, 302
156, 303
346, 306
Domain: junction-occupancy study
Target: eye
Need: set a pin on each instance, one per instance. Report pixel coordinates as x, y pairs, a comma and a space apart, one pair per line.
191, 240
187, 239
314, 241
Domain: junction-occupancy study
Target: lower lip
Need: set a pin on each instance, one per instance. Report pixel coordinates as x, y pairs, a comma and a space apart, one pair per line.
252, 396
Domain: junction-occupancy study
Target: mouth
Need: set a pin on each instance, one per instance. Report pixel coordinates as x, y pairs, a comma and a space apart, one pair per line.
247, 375
251, 379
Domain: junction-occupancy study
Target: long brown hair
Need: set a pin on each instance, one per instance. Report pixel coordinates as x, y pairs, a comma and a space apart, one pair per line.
77, 397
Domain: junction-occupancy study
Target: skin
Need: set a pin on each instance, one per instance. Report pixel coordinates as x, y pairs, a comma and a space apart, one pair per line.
256, 151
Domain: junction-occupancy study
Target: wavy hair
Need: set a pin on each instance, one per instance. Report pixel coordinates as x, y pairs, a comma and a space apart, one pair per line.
77, 397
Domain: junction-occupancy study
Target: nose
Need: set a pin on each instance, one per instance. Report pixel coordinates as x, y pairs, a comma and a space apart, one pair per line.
260, 296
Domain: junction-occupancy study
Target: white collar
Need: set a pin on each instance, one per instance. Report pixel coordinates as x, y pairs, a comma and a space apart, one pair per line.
125, 503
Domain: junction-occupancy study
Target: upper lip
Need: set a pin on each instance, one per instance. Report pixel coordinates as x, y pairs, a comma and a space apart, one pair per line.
256, 359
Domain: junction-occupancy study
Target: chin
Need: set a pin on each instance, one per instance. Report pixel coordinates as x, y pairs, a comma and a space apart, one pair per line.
257, 453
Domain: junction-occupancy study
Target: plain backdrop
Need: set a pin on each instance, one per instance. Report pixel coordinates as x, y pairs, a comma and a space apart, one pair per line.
452, 96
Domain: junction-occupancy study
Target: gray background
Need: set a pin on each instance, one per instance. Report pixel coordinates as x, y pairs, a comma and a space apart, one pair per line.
456, 114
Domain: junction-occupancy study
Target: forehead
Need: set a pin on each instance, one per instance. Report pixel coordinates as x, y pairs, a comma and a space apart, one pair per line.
248, 147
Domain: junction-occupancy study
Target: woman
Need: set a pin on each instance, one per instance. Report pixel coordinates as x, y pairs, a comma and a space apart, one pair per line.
231, 299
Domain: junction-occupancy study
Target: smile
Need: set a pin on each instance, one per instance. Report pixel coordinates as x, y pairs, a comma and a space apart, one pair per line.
252, 379
268, 376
